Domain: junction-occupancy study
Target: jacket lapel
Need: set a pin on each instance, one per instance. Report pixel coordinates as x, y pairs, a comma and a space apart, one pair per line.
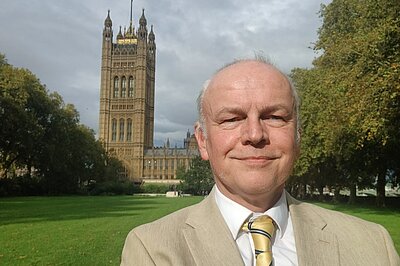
210, 241
208, 236
314, 244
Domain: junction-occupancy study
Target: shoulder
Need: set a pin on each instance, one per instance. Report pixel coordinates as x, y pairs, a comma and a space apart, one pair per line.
346, 228
356, 240
333, 219
159, 241
171, 221
172, 225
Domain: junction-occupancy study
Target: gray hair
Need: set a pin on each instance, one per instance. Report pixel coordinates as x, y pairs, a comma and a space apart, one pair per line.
258, 58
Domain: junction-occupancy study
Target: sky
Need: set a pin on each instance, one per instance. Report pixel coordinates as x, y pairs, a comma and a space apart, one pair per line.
60, 42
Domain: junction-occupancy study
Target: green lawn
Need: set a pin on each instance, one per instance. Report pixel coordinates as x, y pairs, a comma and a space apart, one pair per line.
91, 230
75, 230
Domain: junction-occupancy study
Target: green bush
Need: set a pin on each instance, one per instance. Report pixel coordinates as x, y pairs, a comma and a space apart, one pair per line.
155, 188
114, 188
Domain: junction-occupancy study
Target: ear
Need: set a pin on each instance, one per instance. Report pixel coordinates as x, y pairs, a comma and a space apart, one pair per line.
201, 141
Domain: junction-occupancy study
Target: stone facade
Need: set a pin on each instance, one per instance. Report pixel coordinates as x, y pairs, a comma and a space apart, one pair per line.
126, 123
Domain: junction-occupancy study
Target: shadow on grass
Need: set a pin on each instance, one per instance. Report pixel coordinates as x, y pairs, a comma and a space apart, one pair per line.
37, 209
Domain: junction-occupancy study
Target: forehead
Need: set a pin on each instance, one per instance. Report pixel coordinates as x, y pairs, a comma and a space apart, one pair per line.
248, 80
250, 68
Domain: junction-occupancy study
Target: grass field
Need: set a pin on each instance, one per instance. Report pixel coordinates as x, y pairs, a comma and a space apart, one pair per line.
91, 230
74, 230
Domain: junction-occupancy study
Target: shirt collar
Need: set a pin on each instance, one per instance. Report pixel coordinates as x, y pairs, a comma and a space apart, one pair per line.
235, 214
279, 213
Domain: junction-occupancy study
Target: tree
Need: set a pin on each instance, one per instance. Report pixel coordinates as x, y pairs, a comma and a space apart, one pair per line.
40, 132
20, 91
360, 42
198, 179
358, 74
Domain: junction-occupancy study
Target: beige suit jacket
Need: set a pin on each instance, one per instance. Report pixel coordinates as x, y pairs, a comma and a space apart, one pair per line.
198, 235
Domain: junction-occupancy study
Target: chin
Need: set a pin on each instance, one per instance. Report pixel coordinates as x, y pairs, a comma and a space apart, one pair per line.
263, 187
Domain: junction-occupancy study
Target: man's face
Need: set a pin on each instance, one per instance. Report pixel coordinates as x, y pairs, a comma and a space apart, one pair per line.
250, 131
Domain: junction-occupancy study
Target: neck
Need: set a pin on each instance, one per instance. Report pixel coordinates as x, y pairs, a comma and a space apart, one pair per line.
254, 202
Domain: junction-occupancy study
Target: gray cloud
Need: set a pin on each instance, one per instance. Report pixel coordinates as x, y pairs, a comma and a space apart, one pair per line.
60, 41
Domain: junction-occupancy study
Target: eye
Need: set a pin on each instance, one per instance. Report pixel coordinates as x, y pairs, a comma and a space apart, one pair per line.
275, 120
276, 117
272, 117
231, 120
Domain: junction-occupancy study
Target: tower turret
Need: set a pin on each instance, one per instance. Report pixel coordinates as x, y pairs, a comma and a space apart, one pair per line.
119, 35
108, 21
107, 31
142, 31
151, 35
152, 44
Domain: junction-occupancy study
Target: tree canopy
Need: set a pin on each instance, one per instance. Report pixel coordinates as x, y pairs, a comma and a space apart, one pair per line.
197, 179
351, 97
41, 138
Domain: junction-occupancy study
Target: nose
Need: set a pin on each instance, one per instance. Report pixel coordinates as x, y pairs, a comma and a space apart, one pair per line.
254, 132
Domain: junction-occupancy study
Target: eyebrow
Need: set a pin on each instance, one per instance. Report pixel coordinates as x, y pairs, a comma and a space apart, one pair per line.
266, 109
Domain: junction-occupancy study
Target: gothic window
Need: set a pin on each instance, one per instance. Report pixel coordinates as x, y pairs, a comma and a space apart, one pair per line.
131, 86
114, 130
121, 129
166, 164
129, 129
116, 87
123, 87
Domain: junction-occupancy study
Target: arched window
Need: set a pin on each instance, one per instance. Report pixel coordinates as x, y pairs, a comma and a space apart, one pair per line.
116, 87
123, 87
129, 129
121, 129
114, 130
131, 86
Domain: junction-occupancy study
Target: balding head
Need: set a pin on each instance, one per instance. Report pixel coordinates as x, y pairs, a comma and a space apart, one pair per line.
258, 59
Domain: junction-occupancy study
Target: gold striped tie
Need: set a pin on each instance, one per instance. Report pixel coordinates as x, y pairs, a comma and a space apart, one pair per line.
262, 229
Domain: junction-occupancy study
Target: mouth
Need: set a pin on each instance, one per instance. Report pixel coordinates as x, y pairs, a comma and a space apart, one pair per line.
256, 160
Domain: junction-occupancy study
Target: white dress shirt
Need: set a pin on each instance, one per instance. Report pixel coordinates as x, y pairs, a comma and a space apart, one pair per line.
283, 244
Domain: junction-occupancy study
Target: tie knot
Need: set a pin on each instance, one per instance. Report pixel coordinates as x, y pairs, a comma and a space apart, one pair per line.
262, 230
263, 222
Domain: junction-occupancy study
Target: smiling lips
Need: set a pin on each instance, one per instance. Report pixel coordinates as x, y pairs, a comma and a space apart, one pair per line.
256, 159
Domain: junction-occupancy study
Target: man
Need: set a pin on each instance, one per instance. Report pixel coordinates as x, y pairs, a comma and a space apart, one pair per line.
249, 131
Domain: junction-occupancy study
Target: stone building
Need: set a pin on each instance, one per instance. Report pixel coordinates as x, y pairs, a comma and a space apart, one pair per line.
127, 91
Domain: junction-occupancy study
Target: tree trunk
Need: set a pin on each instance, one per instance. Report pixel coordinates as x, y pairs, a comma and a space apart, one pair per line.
303, 191
336, 194
321, 193
311, 192
353, 194
380, 189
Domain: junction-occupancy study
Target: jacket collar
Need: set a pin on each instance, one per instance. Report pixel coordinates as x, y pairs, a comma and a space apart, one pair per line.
315, 244
208, 237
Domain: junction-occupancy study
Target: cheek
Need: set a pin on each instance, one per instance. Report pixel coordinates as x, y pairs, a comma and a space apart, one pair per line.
284, 138
220, 144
